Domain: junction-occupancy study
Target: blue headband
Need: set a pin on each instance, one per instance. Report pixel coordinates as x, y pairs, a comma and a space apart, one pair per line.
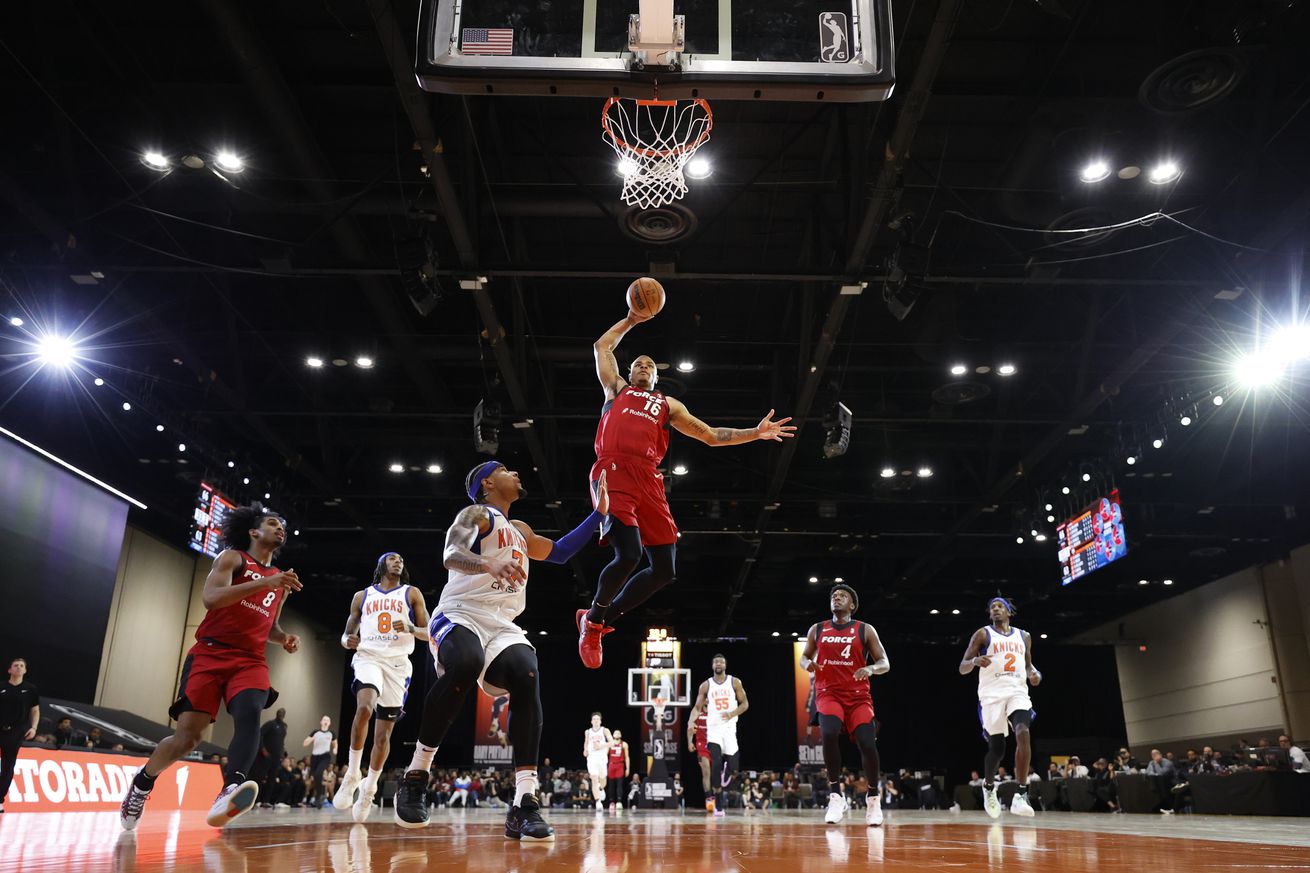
475, 483
1008, 604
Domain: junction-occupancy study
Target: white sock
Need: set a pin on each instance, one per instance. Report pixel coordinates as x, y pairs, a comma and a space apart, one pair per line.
422, 759
371, 780
525, 783
356, 758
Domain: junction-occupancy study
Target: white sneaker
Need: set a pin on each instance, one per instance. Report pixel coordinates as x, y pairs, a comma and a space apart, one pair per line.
281, 806
873, 815
134, 803
364, 805
991, 802
1019, 806
232, 801
600, 806
345, 795
836, 808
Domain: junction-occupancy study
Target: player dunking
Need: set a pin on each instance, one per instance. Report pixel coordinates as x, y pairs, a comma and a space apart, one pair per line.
631, 440
596, 741
722, 698
696, 742
842, 654
385, 619
243, 595
1004, 658
473, 639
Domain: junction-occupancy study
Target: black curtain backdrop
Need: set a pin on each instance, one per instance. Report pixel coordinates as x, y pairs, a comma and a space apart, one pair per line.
927, 711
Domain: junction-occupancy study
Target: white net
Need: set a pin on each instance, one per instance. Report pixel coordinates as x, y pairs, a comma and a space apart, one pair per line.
660, 707
654, 141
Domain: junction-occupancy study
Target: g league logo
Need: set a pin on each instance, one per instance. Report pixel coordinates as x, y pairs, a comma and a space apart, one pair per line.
834, 47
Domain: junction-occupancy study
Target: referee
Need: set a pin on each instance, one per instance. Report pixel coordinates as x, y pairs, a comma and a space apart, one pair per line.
20, 712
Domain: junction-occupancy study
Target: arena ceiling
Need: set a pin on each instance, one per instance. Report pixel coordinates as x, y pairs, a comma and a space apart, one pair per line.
198, 294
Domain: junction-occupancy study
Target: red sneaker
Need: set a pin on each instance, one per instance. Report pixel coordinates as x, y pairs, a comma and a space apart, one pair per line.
589, 646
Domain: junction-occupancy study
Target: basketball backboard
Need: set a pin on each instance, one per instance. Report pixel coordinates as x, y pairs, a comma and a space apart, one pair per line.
807, 50
670, 685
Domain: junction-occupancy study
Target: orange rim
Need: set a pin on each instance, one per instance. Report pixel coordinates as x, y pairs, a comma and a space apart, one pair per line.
618, 140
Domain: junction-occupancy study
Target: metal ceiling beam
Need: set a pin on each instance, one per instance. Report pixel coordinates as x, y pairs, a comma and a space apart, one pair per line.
271, 92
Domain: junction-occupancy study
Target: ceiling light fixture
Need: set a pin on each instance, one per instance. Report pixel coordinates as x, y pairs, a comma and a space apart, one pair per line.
396, 468
181, 447
627, 167
955, 612
686, 366
434, 468
16, 321
127, 407
698, 168
1218, 400
57, 351
934, 611
159, 427
314, 362
1164, 172
1132, 459
887, 472
1157, 443
1007, 369
229, 162
155, 161
924, 473
1094, 171
1185, 421
680, 470
1041, 538
364, 362
959, 370
1019, 540
1064, 490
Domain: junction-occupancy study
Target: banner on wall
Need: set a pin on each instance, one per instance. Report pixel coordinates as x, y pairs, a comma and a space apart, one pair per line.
809, 746
491, 745
47, 780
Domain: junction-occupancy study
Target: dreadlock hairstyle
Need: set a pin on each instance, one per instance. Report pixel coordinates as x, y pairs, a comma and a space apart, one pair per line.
381, 569
240, 521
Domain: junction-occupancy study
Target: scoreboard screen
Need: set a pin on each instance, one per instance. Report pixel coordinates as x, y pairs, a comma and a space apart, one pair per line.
1091, 539
211, 509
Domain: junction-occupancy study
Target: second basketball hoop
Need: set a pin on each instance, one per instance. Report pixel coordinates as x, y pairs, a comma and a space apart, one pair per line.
654, 140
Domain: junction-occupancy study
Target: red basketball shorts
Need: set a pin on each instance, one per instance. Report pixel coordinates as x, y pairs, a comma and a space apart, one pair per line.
853, 709
213, 675
702, 747
637, 499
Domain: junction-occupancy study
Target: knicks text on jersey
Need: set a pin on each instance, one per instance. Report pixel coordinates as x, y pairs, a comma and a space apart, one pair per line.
380, 613
1008, 670
483, 591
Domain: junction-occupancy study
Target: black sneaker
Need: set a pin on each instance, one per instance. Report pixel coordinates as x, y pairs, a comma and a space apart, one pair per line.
524, 822
411, 802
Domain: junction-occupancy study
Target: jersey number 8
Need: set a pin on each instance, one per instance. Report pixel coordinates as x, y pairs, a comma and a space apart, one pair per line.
384, 622
269, 598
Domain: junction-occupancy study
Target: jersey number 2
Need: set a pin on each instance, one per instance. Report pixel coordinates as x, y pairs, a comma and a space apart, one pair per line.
1009, 662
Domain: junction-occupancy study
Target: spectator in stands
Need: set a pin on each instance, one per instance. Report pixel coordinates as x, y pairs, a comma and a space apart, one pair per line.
116, 747
1294, 754
563, 789
1076, 769
1053, 773
634, 791
791, 792
66, 736
1104, 788
1124, 762
460, 795
94, 740
288, 785
546, 782
1034, 776
976, 780
329, 780
1162, 767
1001, 775
678, 791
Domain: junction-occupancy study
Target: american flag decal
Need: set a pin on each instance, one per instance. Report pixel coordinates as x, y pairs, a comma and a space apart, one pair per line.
487, 41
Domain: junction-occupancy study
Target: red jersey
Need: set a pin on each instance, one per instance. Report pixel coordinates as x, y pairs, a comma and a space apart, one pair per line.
616, 766
245, 624
839, 650
701, 727
634, 424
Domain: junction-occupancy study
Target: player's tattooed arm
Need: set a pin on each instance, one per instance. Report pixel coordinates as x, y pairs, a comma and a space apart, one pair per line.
471, 522
689, 425
607, 366
973, 656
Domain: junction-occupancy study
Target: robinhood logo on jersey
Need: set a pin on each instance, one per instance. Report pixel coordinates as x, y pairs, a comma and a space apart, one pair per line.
496, 754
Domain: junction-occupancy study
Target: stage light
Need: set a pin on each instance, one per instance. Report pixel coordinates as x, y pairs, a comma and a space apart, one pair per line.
1007, 369
99, 382
1259, 369
1143, 581
1019, 540
887, 472
959, 370
686, 366
1049, 507
181, 447
776, 634
313, 362
1050, 519
680, 470
934, 611
364, 362
397, 468
699, 168
57, 351
541, 633
1185, 421
155, 161
955, 612
1032, 532
228, 162
127, 407
1157, 443
1163, 173
296, 532
1132, 459
268, 496
1043, 636
924, 473
838, 579
1167, 582
1094, 171
434, 468
1218, 400
159, 427
627, 167
814, 580
16, 321
1041, 538
245, 480
1087, 477
1064, 490
231, 464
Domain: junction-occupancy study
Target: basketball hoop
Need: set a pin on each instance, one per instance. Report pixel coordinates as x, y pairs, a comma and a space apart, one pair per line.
654, 140
659, 704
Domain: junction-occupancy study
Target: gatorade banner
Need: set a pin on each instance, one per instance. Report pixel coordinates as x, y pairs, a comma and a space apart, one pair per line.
491, 731
59, 781
809, 746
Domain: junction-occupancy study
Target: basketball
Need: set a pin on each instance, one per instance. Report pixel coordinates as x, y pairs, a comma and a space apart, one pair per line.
646, 297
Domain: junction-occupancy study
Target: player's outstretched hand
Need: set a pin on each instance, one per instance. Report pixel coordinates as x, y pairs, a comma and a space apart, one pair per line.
504, 570
775, 430
291, 643
601, 498
637, 318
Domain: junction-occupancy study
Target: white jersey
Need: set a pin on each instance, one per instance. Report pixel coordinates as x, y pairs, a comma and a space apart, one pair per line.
596, 742
483, 592
1008, 673
720, 698
378, 614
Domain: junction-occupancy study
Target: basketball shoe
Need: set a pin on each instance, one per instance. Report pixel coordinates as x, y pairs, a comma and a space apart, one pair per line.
524, 822
232, 801
134, 803
345, 795
836, 808
411, 810
1019, 805
991, 802
589, 645
364, 805
873, 815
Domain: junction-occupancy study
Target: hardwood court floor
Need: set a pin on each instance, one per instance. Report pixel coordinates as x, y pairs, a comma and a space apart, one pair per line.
300, 841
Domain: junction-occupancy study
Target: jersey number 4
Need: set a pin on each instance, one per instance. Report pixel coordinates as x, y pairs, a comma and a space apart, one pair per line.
846, 651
